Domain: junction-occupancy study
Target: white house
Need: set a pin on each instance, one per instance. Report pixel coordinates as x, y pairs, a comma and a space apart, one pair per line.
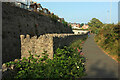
74, 27
23, 3
85, 26
80, 32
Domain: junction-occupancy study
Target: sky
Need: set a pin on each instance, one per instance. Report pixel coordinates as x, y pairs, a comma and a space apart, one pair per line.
76, 0
83, 12
119, 12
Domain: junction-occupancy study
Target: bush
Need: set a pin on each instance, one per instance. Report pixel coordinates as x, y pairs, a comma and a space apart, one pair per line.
66, 63
95, 25
64, 23
54, 18
107, 38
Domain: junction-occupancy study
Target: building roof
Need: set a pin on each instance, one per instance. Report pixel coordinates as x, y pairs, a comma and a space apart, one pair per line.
74, 27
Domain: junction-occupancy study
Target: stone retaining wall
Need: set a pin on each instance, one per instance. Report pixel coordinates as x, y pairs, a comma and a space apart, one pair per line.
47, 42
17, 21
66, 40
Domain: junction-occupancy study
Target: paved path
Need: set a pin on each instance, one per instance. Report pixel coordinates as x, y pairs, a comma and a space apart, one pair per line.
98, 65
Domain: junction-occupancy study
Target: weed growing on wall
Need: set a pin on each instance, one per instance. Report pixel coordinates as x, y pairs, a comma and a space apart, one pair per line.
54, 18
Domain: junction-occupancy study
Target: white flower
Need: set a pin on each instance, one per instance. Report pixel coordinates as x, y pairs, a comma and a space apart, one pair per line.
77, 66
12, 66
83, 63
75, 63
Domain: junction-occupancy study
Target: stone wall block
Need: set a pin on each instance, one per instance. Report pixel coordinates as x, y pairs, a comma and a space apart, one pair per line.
22, 38
28, 37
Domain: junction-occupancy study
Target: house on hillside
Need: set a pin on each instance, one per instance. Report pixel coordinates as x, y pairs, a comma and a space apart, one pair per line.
85, 26
75, 25
77, 29
35, 6
39, 7
80, 32
22, 3
46, 11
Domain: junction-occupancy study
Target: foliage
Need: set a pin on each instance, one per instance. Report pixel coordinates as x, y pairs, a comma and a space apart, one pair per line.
95, 25
81, 24
78, 43
64, 23
54, 18
108, 38
70, 27
66, 63
82, 29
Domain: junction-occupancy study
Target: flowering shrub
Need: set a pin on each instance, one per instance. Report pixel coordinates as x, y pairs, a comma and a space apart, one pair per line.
66, 63
78, 50
82, 42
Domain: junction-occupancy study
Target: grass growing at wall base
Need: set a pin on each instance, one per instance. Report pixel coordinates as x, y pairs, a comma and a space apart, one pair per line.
78, 43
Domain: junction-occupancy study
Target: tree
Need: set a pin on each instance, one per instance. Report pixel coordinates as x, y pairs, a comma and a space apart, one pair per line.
81, 24
95, 25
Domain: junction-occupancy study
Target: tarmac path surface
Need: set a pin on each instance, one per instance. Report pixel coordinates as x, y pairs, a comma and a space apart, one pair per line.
98, 64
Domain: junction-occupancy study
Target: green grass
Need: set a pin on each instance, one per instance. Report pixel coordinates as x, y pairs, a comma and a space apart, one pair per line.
78, 43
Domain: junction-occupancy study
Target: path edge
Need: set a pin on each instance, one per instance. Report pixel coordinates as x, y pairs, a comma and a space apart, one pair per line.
106, 52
